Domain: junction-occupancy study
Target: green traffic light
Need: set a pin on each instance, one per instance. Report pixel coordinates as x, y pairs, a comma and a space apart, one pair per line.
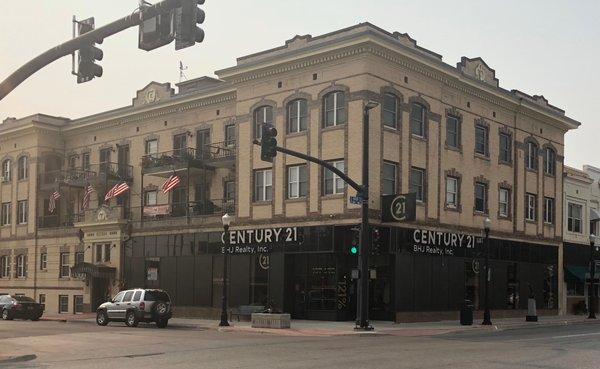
353, 250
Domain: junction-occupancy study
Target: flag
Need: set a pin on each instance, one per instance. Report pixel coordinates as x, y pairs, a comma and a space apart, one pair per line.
86, 196
52, 203
170, 183
118, 189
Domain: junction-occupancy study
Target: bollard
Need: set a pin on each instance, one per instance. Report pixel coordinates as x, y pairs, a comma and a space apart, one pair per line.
531, 309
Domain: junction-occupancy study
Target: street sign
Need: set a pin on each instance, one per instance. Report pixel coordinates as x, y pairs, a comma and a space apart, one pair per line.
356, 200
396, 208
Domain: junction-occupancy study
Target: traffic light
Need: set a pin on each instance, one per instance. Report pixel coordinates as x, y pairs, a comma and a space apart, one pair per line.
187, 33
156, 32
87, 68
376, 241
268, 143
355, 242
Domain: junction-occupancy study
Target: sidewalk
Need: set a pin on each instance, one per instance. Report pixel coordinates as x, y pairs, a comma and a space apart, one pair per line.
327, 329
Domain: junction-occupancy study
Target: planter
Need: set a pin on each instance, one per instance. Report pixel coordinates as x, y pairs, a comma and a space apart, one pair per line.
277, 321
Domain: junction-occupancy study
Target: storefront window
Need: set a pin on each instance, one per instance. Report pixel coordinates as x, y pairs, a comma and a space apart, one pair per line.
259, 280
322, 282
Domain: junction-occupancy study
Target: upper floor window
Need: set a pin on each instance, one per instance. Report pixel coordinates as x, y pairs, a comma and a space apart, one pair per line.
481, 198
6, 213
390, 110
504, 202
5, 266
334, 109
43, 261
481, 140
452, 192
85, 161
230, 135
22, 209
332, 183
548, 210
417, 183
79, 257
574, 218
64, 265
452, 132
417, 119
297, 181
549, 161
6, 171
530, 207
150, 197
21, 266
72, 162
263, 185
505, 148
262, 116
297, 116
151, 148
531, 156
388, 180
22, 170
229, 189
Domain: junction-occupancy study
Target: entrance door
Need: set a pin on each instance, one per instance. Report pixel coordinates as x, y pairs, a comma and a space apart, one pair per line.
381, 300
123, 161
105, 160
202, 142
100, 293
179, 202
179, 144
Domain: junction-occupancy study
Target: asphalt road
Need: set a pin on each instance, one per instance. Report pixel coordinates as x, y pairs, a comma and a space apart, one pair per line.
84, 345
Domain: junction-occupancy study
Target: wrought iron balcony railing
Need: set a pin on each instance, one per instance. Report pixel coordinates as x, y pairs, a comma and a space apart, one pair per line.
183, 209
79, 177
189, 157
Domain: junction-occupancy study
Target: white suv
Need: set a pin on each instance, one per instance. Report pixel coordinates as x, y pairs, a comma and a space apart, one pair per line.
137, 305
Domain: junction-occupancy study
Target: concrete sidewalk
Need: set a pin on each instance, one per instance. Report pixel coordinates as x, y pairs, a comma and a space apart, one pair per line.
328, 328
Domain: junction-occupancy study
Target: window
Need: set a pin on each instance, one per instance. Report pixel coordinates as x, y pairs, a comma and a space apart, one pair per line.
98, 253
332, 183
262, 116
452, 192
549, 161
5, 266
481, 140
21, 266
152, 148
150, 198
297, 116
64, 265
505, 148
137, 295
417, 120
452, 132
107, 252
6, 213
531, 156
22, 170
63, 304
72, 162
78, 304
127, 297
263, 185
574, 218
85, 161
22, 212
334, 109
503, 202
120, 296
548, 210
79, 257
417, 183
530, 207
297, 181
390, 110
43, 261
230, 135
42, 300
6, 172
389, 178
481, 197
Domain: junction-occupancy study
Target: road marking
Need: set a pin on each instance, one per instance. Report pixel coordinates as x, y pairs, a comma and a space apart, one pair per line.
559, 337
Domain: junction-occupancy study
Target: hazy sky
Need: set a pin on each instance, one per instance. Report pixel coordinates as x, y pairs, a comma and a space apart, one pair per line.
548, 47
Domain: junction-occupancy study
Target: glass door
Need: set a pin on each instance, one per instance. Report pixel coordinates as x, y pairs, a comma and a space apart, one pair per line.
202, 142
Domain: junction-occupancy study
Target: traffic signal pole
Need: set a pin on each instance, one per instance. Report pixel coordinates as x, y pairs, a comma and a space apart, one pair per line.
95, 36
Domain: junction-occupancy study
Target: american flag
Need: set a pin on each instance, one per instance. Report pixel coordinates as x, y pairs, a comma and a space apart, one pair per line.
52, 203
118, 189
170, 183
86, 196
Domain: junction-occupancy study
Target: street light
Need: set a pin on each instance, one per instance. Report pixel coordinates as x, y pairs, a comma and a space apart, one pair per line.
487, 320
226, 219
592, 297
362, 311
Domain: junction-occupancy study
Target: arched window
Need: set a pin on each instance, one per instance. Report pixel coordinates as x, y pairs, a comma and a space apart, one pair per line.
417, 119
390, 110
23, 171
262, 116
531, 156
334, 109
297, 116
5, 266
6, 171
21, 266
549, 161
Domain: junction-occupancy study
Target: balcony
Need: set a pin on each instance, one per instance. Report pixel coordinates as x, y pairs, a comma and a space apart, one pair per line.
80, 177
58, 221
216, 155
193, 209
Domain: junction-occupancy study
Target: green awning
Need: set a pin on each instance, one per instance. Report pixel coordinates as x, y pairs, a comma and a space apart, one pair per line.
576, 273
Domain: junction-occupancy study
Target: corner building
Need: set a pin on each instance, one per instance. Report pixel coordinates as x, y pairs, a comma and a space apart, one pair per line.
466, 147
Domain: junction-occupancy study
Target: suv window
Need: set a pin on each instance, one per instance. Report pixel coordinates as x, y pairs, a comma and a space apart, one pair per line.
137, 295
156, 296
24, 299
119, 297
128, 295
3, 299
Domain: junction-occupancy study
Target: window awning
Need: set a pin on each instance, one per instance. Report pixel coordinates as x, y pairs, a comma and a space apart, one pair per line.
594, 215
576, 273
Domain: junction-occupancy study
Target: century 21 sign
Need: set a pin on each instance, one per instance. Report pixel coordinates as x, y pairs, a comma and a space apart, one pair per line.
262, 236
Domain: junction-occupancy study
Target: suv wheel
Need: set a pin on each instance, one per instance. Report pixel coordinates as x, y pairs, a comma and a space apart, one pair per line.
161, 308
130, 319
162, 323
101, 318
6, 315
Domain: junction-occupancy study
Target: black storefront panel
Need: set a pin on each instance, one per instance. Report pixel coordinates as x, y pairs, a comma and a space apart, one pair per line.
203, 278
185, 284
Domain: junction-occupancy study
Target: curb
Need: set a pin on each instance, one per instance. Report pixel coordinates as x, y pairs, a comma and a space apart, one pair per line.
16, 359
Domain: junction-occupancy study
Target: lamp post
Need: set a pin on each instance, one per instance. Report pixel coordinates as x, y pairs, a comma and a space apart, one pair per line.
592, 294
226, 219
362, 319
487, 320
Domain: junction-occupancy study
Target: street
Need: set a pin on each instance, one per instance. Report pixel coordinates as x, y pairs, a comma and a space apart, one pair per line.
85, 345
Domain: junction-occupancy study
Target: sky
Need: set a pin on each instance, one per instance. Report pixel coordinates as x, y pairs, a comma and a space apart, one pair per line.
547, 47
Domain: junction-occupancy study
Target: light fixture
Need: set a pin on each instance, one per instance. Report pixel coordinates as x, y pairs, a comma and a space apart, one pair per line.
226, 219
486, 224
371, 104
592, 238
